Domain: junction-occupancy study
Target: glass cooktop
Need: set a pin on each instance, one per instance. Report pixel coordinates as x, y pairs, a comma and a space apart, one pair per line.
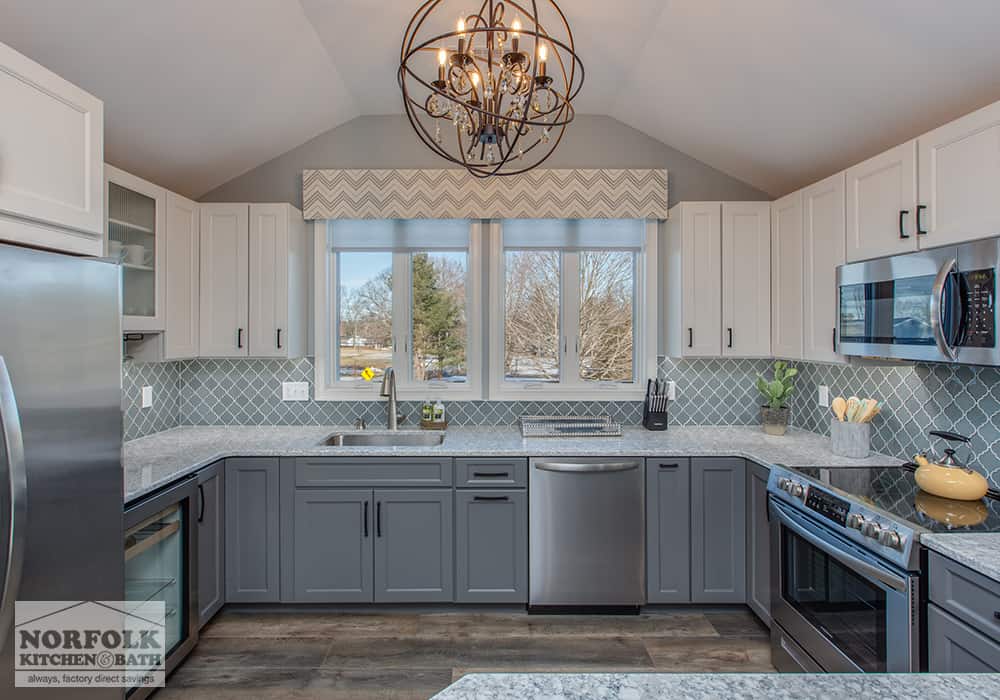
893, 490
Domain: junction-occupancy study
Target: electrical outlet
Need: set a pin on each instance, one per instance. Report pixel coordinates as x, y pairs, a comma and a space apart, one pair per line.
672, 391
823, 395
295, 391
147, 397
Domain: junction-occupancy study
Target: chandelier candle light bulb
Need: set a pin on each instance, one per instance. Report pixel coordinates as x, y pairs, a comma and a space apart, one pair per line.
515, 36
543, 57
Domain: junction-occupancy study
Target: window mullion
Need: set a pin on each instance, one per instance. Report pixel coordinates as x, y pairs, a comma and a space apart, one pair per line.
569, 292
401, 317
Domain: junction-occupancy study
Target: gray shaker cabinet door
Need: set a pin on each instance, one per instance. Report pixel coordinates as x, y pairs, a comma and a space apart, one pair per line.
211, 544
332, 541
718, 530
252, 530
668, 530
491, 546
954, 647
413, 546
758, 543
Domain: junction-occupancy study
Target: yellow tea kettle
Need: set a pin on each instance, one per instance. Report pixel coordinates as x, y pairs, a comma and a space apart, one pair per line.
948, 478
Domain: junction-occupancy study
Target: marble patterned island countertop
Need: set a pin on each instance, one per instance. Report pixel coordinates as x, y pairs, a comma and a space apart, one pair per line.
154, 461
980, 551
710, 686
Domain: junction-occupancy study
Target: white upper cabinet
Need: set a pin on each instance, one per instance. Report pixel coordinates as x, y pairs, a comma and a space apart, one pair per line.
882, 204
822, 251
746, 279
278, 281
960, 179
181, 307
51, 159
136, 220
224, 314
693, 285
786, 277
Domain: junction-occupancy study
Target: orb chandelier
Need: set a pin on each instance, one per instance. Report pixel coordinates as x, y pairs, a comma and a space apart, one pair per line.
492, 89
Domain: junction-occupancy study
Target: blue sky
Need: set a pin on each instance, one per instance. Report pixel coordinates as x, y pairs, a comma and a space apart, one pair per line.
358, 268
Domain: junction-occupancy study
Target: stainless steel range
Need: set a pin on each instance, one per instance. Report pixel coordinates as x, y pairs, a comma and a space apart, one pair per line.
846, 565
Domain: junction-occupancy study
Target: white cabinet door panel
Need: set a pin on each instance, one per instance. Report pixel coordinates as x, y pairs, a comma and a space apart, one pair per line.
786, 277
181, 274
746, 279
960, 179
51, 158
823, 251
224, 283
882, 204
702, 279
268, 280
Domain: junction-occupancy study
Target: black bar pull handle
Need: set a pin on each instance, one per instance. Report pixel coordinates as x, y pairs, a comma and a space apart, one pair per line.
902, 228
669, 466
490, 498
365, 518
491, 475
730, 336
835, 339
201, 497
378, 519
690, 337
921, 231
279, 338
239, 337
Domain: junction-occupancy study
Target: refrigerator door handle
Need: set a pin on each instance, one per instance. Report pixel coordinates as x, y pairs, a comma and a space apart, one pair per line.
17, 488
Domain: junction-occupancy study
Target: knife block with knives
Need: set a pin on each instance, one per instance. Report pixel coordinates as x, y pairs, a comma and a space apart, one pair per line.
654, 409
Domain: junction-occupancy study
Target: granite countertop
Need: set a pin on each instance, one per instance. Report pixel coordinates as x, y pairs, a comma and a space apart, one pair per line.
156, 460
708, 686
979, 551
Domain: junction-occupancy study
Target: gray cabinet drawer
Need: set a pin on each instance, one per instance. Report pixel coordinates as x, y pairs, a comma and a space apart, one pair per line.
373, 471
953, 647
969, 596
490, 472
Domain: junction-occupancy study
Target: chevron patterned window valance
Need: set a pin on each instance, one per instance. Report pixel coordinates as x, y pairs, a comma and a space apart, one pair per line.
454, 194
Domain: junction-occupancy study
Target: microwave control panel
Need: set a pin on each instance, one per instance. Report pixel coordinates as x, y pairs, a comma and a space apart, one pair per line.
979, 289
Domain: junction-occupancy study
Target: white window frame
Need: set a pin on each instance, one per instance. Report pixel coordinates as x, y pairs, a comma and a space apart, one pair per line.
328, 388
570, 386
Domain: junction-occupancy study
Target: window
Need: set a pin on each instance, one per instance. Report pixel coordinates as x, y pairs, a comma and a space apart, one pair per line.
401, 294
576, 308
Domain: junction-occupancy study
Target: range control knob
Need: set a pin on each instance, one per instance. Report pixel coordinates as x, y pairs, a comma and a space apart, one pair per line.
783, 483
891, 538
797, 490
872, 530
856, 521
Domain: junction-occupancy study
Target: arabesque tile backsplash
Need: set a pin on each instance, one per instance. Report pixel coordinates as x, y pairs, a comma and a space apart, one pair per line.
916, 398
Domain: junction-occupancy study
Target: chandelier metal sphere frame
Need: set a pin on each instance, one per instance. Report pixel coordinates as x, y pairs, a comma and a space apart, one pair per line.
504, 86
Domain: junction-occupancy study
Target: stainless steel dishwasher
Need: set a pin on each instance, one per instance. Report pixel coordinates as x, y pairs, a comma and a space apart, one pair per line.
587, 532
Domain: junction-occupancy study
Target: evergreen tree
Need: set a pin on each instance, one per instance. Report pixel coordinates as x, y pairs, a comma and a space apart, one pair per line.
437, 321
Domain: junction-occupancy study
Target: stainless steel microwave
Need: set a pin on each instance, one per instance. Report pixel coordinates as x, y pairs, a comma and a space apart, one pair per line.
934, 306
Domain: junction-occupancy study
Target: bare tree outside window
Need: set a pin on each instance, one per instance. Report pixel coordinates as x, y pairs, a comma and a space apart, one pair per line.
531, 323
365, 323
607, 293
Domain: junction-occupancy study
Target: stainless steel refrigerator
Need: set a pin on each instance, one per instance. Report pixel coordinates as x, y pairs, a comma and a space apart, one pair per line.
60, 454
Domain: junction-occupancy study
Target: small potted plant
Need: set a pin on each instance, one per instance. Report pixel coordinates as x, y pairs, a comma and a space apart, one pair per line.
774, 414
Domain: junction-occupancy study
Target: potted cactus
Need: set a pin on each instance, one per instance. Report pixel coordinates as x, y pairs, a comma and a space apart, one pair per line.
774, 414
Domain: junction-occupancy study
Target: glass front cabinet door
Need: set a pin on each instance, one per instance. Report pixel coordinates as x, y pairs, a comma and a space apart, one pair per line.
136, 221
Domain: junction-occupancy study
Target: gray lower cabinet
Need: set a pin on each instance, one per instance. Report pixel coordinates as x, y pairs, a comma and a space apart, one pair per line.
211, 524
668, 530
491, 546
718, 530
955, 647
252, 530
758, 543
331, 538
413, 545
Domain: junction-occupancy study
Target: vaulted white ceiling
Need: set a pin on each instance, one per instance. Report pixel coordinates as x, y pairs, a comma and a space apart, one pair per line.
775, 92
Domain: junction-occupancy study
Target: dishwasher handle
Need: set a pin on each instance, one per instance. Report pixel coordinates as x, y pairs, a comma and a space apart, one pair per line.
586, 467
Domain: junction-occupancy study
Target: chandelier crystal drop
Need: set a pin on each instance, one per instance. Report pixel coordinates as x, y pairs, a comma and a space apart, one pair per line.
475, 82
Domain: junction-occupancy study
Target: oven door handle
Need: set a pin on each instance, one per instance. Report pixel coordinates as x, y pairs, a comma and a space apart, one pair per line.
938, 309
897, 583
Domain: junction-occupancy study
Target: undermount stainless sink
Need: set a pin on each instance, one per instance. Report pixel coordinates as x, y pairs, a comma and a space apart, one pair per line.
384, 439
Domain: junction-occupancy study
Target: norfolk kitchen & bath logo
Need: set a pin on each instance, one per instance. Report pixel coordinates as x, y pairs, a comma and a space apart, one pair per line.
89, 644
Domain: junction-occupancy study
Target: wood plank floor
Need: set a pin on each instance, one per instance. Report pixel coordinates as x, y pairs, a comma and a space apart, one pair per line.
407, 655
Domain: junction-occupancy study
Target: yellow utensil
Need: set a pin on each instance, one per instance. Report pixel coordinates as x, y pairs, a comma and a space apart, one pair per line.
853, 406
839, 406
870, 411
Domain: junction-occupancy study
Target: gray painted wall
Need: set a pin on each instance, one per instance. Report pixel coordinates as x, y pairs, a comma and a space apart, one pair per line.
388, 141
